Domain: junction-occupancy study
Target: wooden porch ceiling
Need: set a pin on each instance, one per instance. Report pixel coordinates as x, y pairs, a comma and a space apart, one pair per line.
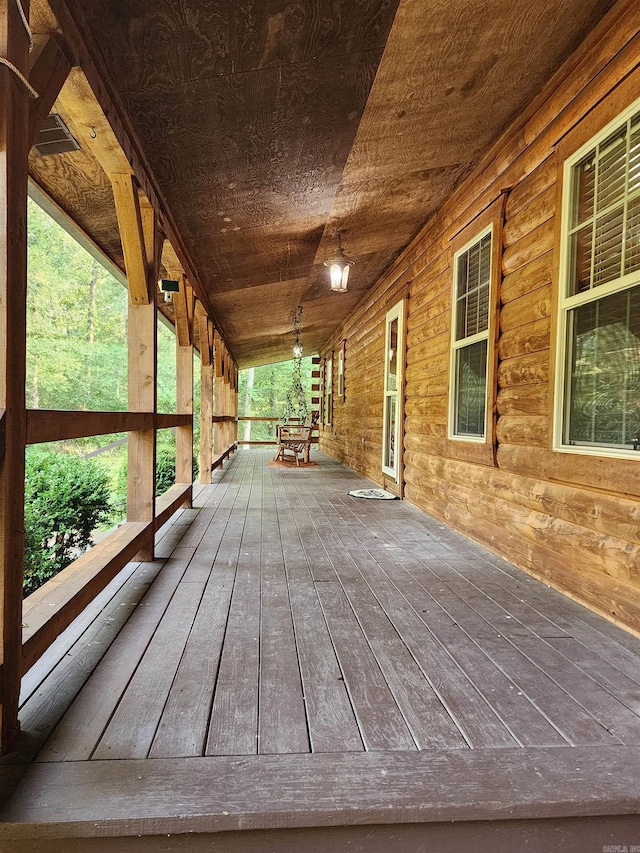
271, 126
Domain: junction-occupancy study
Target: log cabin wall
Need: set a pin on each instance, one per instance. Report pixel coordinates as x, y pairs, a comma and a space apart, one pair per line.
572, 520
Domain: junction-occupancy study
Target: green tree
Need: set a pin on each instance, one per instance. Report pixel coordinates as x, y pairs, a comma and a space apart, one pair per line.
76, 324
66, 498
267, 396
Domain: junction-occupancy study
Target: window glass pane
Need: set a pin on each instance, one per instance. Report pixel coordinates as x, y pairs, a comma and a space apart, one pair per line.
390, 417
584, 190
463, 273
634, 157
473, 280
461, 318
632, 237
604, 387
471, 389
608, 247
611, 169
392, 356
580, 245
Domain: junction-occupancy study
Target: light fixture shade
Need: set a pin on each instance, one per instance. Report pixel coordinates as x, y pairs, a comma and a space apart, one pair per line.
339, 266
297, 350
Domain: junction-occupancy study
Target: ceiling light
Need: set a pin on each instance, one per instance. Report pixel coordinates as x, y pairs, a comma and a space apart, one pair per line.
339, 265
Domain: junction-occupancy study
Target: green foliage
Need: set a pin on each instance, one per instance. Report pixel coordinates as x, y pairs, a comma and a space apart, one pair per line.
66, 498
76, 328
263, 392
165, 469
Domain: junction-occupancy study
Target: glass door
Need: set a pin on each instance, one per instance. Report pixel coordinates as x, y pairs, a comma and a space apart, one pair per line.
393, 366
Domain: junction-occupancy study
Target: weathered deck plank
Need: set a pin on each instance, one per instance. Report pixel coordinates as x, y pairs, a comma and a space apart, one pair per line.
290, 617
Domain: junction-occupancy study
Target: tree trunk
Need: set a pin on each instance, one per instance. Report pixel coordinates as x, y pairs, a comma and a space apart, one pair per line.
91, 307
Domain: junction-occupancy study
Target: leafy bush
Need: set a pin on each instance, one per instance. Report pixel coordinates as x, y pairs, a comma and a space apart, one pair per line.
66, 498
165, 468
165, 473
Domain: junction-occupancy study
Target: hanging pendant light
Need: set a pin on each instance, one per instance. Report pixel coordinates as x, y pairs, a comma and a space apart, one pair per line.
297, 333
339, 265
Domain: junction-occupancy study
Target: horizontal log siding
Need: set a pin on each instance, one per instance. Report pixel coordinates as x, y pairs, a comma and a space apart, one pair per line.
572, 520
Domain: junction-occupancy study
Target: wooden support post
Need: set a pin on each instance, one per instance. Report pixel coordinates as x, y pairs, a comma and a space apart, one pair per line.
184, 401
206, 419
14, 145
219, 435
142, 239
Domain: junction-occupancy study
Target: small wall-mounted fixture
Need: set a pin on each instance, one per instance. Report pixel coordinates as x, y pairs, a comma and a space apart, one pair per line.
169, 286
339, 265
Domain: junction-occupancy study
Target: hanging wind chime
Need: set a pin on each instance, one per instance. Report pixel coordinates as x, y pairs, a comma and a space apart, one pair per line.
296, 402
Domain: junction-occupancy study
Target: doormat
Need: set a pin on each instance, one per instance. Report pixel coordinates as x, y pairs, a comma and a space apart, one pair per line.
373, 494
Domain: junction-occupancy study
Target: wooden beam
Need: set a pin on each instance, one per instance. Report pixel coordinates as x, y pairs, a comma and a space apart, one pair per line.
125, 194
55, 425
220, 432
153, 243
141, 470
205, 347
90, 124
14, 145
184, 404
206, 414
48, 74
167, 503
92, 95
180, 305
66, 595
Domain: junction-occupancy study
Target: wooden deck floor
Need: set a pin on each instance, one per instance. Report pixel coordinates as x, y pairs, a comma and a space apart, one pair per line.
284, 617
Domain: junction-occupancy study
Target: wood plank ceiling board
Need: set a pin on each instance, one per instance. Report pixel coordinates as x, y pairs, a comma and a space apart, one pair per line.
270, 125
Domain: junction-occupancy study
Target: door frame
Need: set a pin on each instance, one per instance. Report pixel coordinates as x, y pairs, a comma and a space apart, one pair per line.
399, 309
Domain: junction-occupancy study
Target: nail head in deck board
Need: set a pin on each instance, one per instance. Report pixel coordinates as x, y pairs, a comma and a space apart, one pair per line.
381, 723
115, 798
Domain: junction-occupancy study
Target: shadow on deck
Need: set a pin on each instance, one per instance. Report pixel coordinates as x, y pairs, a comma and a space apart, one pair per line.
302, 670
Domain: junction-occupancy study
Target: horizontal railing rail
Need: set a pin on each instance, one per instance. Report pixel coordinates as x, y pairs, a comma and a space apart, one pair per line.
45, 425
48, 611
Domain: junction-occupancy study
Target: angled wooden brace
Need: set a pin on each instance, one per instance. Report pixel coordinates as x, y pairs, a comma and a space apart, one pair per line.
47, 76
203, 327
125, 193
181, 309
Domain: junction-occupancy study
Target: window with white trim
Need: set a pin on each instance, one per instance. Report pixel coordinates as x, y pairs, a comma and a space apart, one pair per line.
598, 378
328, 378
470, 339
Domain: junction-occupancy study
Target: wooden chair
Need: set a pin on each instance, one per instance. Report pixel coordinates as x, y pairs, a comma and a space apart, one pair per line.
293, 442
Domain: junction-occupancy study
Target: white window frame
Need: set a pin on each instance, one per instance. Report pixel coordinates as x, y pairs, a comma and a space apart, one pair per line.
397, 312
567, 303
472, 339
328, 390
